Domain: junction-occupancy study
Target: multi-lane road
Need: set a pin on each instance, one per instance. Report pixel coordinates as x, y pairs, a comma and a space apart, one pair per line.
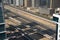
32, 17
30, 24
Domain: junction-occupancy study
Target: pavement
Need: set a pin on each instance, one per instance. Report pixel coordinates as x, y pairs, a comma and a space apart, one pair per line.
31, 17
32, 33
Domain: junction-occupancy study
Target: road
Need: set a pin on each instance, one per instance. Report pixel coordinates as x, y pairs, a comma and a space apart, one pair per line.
27, 30
31, 17
20, 20
25, 16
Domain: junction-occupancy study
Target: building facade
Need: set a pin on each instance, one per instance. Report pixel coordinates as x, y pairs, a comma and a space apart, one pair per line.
48, 6
35, 3
15, 2
56, 3
45, 6
27, 3
31, 3
2, 23
21, 2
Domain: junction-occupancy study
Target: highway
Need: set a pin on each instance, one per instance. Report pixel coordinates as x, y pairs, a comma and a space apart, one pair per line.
16, 17
36, 26
32, 17
21, 20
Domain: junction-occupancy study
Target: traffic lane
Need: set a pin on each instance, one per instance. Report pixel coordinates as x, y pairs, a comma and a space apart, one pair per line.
26, 15
17, 17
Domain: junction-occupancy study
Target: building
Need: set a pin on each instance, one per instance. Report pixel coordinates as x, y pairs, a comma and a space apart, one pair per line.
45, 6
56, 3
35, 3
21, 2
14, 2
48, 6
2, 23
27, 3
31, 3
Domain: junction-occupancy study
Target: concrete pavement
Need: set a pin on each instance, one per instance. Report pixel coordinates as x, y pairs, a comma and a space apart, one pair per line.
31, 17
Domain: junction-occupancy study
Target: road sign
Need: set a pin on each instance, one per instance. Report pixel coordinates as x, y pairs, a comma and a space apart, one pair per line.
56, 18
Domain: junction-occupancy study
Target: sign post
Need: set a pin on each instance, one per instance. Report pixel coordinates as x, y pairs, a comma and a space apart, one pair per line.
56, 18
